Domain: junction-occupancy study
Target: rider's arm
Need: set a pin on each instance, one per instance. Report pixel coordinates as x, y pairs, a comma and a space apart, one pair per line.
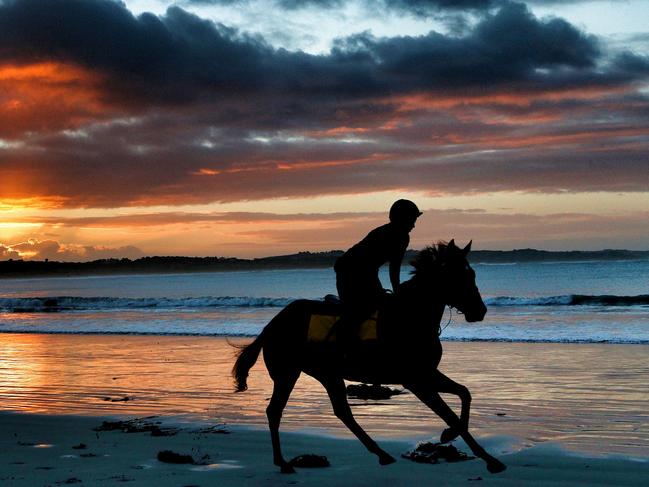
396, 260
395, 271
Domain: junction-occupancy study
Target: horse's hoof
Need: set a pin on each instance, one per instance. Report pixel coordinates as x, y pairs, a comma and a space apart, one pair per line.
448, 435
287, 468
496, 466
386, 459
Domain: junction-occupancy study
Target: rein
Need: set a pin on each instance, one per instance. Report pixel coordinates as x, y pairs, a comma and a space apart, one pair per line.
440, 329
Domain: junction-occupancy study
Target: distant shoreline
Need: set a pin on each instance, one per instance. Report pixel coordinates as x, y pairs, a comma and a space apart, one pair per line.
302, 260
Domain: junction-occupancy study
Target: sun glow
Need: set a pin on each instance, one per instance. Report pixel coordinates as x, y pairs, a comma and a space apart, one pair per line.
18, 225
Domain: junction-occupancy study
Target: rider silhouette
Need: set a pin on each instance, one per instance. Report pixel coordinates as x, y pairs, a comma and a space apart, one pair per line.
357, 270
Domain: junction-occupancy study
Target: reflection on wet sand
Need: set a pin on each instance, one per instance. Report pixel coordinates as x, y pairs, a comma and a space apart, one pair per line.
589, 397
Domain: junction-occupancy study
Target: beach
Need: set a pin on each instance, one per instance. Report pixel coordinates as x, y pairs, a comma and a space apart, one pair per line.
40, 450
568, 414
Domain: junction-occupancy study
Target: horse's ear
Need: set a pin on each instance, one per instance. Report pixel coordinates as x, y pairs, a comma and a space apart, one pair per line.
467, 249
451, 244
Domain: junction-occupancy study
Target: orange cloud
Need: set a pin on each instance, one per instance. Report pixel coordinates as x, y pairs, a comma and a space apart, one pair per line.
35, 249
47, 96
304, 165
437, 101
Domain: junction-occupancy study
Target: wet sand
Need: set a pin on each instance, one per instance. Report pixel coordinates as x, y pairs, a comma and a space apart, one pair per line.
591, 398
62, 450
528, 400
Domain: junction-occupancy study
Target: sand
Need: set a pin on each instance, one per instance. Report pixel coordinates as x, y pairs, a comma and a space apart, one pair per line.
555, 414
39, 450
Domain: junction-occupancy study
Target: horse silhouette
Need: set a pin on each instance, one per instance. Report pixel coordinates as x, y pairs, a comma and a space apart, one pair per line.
408, 350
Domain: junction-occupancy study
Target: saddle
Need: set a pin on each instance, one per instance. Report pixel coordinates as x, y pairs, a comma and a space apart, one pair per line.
322, 324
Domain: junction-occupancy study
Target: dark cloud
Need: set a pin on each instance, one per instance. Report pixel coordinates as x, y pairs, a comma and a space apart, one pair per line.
430, 8
166, 57
427, 8
200, 112
418, 8
632, 64
296, 4
506, 48
180, 57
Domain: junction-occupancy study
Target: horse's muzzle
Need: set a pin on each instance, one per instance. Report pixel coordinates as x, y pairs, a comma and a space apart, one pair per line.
477, 314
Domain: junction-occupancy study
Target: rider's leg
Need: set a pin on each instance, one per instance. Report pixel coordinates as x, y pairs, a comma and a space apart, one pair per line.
358, 297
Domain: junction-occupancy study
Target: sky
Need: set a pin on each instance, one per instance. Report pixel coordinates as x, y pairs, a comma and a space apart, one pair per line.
250, 128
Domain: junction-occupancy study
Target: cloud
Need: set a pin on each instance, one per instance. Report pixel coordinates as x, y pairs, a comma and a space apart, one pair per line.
174, 109
35, 249
262, 234
7, 253
509, 47
419, 8
180, 58
179, 217
490, 144
488, 230
144, 57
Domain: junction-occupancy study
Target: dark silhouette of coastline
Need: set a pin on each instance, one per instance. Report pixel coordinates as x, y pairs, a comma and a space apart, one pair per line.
302, 260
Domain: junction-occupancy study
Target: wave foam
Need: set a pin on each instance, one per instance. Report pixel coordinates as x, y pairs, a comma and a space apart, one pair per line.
570, 300
73, 303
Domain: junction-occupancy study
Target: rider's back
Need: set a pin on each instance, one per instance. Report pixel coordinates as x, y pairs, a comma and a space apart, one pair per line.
381, 245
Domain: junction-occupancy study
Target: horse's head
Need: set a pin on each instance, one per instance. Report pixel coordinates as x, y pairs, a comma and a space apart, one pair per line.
446, 268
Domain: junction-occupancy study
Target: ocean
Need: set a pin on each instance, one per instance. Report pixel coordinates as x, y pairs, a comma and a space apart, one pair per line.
567, 302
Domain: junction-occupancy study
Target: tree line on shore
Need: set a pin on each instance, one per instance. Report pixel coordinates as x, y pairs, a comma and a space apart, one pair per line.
177, 264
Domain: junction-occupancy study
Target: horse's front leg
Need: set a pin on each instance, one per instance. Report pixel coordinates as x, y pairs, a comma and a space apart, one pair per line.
428, 394
449, 386
338, 394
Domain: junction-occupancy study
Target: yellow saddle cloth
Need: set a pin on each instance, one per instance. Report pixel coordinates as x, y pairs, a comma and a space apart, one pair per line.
320, 328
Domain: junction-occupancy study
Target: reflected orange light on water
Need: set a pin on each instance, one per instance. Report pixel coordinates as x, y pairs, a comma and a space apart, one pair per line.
589, 397
19, 378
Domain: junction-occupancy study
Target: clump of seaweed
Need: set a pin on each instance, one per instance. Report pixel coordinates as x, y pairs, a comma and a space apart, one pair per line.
428, 452
138, 425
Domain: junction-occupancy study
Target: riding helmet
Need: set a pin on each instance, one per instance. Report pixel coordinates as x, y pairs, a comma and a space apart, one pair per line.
404, 209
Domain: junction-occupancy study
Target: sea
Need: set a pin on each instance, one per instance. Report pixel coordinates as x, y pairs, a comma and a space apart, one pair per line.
563, 302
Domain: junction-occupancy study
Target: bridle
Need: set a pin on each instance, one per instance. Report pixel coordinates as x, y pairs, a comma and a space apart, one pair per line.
450, 317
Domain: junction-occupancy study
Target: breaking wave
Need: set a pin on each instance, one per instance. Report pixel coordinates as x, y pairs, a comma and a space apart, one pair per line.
571, 300
72, 303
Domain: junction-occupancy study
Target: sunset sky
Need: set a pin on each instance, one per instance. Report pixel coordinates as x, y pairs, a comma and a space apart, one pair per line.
264, 127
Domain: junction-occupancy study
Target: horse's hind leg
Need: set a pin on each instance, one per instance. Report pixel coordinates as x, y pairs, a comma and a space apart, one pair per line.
429, 396
337, 393
449, 386
282, 387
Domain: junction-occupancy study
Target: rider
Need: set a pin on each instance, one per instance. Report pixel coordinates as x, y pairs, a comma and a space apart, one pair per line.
357, 270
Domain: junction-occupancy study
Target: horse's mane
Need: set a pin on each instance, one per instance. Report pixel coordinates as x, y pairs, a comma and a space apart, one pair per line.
428, 260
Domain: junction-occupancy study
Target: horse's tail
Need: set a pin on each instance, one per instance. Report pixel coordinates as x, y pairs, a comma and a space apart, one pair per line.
248, 354
245, 360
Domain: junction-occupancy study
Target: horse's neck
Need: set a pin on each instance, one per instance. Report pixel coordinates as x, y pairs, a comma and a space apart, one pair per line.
423, 301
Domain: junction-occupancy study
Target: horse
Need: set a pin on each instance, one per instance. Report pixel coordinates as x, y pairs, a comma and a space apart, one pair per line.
407, 352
